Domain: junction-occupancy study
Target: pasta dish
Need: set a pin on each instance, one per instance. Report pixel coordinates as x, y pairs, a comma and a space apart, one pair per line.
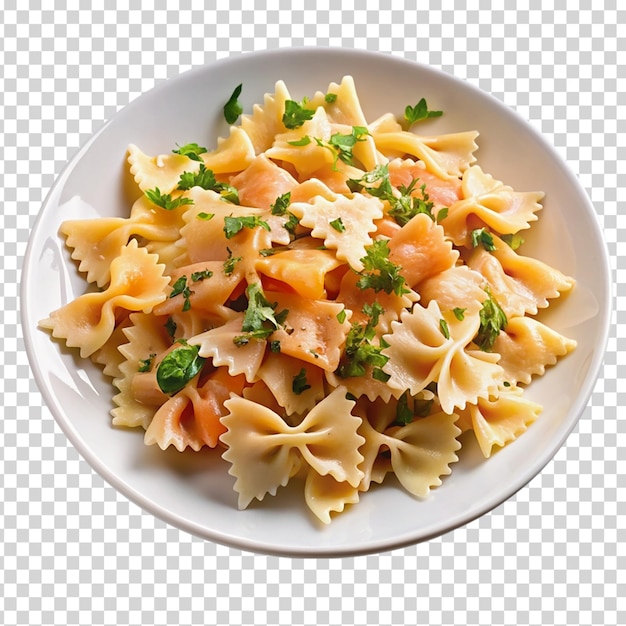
320, 297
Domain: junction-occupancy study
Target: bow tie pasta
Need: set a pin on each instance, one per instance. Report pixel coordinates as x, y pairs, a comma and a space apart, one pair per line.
321, 297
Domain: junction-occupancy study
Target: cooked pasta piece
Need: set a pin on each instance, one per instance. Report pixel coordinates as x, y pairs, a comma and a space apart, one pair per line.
343, 224
428, 345
265, 452
498, 421
325, 495
446, 156
527, 347
137, 284
521, 284
420, 452
489, 201
421, 250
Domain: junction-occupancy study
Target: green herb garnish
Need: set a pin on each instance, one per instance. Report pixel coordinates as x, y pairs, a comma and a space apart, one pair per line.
492, 321
233, 109
281, 204
296, 114
191, 150
205, 216
145, 365
407, 206
205, 179
409, 407
178, 367
280, 208
514, 241
380, 173
230, 262
165, 200
341, 145
170, 327
459, 313
338, 225
419, 112
481, 236
360, 352
299, 383
403, 204
404, 414
379, 273
260, 319
201, 275
304, 141
233, 225
180, 287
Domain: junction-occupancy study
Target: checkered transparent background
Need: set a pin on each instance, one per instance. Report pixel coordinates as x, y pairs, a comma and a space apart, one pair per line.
76, 552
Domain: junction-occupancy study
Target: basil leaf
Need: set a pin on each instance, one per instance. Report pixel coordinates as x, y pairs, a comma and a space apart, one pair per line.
178, 368
233, 109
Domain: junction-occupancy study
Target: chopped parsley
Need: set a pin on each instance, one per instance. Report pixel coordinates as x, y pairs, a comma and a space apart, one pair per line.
330, 98
403, 204
304, 141
380, 173
178, 367
275, 346
443, 326
296, 114
514, 241
191, 150
379, 273
481, 236
407, 206
442, 214
265, 252
205, 178
281, 204
339, 145
409, 407
205, 216
341, 316
459, 313
360, 352
338, 225
233, 225
233, 109
230, 262
404, 415
145, 365
170, 327
492, 321
281, 208
299, 384
419, 112
165, 200
260, 319
201, 275
180, 287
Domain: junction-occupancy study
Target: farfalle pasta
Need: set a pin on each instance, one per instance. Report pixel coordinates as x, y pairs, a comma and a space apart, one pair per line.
321, 297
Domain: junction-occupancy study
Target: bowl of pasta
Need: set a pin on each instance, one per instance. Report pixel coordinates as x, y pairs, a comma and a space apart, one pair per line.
316, 302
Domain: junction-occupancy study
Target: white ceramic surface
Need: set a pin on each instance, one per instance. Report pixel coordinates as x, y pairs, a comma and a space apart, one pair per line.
194, 491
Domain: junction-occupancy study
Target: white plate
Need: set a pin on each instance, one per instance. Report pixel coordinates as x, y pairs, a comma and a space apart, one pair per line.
194, 491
